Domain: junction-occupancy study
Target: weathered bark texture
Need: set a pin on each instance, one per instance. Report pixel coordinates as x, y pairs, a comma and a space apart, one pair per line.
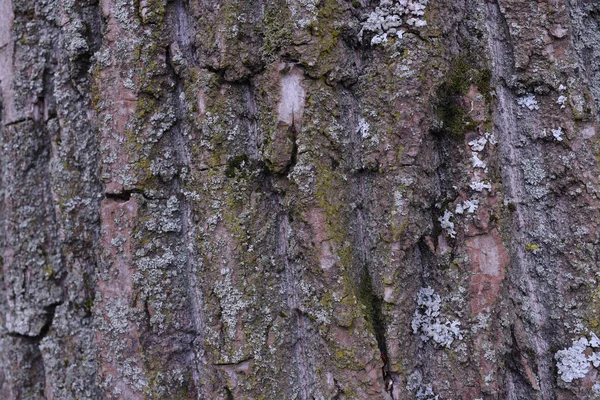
289, 199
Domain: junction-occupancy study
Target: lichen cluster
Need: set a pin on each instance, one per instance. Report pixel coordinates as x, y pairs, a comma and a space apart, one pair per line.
392, 18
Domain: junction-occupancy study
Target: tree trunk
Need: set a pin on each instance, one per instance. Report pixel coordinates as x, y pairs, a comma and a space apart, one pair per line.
299, 199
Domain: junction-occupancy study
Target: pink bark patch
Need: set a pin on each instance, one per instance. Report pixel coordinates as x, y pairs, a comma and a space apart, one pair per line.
115, 289
327, 257
488, 262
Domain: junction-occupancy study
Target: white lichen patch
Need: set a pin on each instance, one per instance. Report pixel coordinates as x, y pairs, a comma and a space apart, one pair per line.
558, 134
535, 175
422, 391
479, 186
427, 320
117, 315
231, 301
477, 162
573, 363
390, 16
491, 138
562, 101
304, 12
528, 101
479, 170
468, 206
478, 144
446, 224
398, 203
363, 128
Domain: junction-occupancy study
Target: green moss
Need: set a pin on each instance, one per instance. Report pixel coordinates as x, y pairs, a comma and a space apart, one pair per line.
449, 109
398, 231
458, 80
277, 30
367, 297
373, 306
324, 27
593, 322
327, 300
95, 88
145, 106
154, 12
532, 247
483, 82
48, 271
235, 164
455, 263
346, 358
328, 197
593, 318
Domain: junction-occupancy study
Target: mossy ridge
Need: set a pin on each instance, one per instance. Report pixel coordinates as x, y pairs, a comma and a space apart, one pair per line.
330, 200
324, 27
152, 87
235, 165
592, 319
155, 11
461, 74
159, 384
231, 12
95, 95
235, 193
277, 31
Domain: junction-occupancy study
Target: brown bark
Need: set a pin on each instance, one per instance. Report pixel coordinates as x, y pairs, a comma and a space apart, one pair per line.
299, 199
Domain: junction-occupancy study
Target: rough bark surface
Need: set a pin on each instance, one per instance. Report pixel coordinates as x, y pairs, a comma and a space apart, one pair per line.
282, 199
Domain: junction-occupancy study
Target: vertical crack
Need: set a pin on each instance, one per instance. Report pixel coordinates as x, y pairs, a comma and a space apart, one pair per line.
505, 124
194, 291
292, 300
366, 290
363, 275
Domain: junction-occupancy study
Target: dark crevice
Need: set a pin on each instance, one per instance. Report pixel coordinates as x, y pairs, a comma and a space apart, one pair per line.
228, 393
125, 195
18, 121
294, 156
147, 315
225, 364
50, 312
292, 135
366, 292
119, 197
374, 315
514, 363
221, 75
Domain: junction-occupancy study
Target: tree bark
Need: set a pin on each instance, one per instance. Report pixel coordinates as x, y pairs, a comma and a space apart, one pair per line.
299, 199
